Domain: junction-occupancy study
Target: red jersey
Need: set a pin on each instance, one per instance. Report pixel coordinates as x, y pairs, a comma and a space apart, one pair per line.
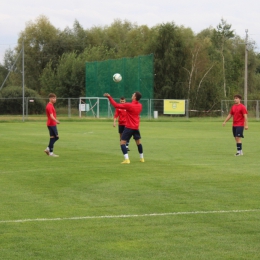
133, 111
50, 110
238, 112
121, 115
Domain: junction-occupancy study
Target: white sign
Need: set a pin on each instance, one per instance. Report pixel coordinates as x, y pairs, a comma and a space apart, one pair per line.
84, 107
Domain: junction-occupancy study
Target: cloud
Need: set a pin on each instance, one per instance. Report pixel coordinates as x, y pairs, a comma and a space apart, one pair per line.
198, 15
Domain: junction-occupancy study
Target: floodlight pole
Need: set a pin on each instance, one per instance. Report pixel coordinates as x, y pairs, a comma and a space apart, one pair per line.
245, 86
23, 77
11, 69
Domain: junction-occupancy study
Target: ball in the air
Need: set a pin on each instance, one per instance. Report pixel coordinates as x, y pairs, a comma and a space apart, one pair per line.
117, 77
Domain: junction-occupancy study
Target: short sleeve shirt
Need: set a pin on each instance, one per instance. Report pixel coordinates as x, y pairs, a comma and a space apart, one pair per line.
50, 110
238, 112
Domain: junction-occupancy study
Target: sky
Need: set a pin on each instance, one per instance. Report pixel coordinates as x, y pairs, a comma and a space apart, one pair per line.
197, 15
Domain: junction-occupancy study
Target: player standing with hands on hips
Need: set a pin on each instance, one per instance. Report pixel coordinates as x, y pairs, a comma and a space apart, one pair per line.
133, 110
239, 113
51, 124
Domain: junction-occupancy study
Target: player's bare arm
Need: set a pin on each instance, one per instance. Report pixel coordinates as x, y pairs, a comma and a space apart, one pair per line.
246, 123
114, 124
227, 118
53, 118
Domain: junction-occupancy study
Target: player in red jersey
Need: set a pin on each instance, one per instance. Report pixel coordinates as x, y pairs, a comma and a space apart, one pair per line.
51, 124
239, 113
133, 110
120, 114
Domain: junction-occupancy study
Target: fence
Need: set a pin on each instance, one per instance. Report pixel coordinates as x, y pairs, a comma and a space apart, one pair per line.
99, 107
252, 108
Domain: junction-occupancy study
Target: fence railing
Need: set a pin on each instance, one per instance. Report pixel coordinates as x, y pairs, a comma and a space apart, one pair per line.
99, 107
252, 108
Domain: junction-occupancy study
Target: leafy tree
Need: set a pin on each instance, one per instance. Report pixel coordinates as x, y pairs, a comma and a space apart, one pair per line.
37, 37
3, 74
253, 75
68, 78
126, 38
137, 42
258, 63
204, 68
169, 57
12, 60
221, 37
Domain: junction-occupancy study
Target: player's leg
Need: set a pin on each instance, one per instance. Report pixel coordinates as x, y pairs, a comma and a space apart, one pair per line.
137, 137
238, 134
54, 136
239, 145
127, 141
127, 144
126, 135
47, 150
121, 130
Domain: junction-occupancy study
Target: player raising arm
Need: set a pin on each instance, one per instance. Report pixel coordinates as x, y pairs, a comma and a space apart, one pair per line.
133, 110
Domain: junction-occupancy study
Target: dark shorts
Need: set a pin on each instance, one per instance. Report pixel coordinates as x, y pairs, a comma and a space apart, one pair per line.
121, 129
128, 133
53, 130
238, 131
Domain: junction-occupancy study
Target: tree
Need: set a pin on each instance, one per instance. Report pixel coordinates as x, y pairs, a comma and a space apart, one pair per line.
221, 37
3, 74
36, 38
12, 60
169, 57
67, 80
199, 68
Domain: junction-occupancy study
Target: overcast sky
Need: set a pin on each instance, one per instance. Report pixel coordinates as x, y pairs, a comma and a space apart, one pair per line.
198, 15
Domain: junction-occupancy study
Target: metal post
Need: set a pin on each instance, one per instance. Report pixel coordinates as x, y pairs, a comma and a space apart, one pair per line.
27, 107
69, 108
222, 112
187, 108
79, 107
257, 110
245, 86
23, 79
98, 107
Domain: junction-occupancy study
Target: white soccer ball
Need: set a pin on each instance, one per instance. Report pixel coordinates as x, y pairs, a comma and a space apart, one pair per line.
117, 77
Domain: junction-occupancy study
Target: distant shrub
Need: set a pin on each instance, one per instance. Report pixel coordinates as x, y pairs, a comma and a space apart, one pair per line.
11, 101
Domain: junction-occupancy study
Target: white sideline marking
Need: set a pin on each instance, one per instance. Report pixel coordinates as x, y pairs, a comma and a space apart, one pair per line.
131, 216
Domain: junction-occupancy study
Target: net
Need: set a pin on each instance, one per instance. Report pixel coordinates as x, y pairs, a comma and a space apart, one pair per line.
137, 75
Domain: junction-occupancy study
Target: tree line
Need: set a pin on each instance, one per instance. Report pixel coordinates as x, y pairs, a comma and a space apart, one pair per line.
205, 68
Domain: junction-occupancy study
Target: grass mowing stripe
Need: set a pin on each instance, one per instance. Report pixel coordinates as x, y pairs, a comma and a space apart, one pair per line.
133, 216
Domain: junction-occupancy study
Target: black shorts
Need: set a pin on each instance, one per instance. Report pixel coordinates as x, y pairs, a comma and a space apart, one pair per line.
128, 133
53, 130
121, 129
238, 131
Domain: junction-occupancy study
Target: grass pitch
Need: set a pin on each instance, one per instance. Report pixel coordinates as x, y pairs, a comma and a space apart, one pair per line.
191, 199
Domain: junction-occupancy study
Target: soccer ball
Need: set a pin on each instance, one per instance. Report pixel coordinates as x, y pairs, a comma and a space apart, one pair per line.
117, 77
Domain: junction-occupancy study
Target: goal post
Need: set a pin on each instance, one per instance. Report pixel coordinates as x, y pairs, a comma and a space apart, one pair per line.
100, 107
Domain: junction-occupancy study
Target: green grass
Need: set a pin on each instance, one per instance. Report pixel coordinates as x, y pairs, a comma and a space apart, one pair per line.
86, 205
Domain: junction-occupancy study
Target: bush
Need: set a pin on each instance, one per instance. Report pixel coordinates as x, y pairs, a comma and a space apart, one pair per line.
11, 101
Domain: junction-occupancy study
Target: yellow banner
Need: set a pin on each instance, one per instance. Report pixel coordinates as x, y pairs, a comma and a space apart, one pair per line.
171, 106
